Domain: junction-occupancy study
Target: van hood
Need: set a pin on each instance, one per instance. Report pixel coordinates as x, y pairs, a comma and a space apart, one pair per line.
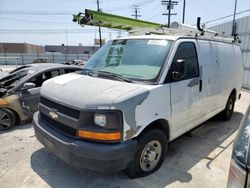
88, 92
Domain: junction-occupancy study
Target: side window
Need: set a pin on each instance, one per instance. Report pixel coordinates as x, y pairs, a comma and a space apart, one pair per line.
186, 53
39, 79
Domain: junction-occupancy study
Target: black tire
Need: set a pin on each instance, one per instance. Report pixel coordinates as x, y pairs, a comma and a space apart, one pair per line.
227, 113
7, 119
152, 136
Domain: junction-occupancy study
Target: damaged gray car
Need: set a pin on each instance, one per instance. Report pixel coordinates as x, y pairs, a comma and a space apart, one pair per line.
20, 91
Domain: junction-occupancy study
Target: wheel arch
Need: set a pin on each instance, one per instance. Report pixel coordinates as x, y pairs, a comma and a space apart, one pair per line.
18, 117
234, 92
162, 124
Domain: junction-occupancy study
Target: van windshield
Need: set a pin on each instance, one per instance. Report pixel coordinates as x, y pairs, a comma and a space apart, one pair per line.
135, 59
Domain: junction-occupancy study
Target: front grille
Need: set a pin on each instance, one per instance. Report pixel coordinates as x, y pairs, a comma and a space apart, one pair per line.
68, 131
61, 108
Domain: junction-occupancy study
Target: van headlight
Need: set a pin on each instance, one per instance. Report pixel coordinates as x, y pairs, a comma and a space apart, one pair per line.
100, 119
101, 125
108, 119
237, 176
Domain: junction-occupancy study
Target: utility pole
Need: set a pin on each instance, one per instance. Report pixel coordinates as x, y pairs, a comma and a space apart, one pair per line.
100, 31
170, 5
183, 13
136, 10
67, 41
234, 24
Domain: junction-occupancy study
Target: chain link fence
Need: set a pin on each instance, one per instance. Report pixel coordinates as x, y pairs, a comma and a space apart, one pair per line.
22, 58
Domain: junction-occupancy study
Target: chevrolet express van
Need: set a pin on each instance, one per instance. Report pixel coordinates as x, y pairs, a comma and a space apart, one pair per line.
134, 96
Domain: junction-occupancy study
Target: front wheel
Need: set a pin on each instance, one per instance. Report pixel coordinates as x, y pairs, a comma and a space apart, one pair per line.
7, 119
150, 154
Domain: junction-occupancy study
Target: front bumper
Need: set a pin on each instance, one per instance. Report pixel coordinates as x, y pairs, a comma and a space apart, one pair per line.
100, 157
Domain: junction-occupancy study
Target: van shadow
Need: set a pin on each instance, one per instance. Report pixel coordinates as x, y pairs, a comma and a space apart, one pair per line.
183, 154
18, 127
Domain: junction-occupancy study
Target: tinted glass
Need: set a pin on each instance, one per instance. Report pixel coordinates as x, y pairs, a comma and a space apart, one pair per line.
134, 59
13, 79
70, 70
38, 80
187, 52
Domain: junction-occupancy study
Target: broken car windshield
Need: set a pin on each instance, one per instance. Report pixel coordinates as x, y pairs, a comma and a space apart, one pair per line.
13, 79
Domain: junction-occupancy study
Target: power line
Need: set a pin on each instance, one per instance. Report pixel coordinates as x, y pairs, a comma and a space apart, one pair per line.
155, 14
34, 21
224, 17
112, 9
49, 31
36, 12
149, 14
145, 3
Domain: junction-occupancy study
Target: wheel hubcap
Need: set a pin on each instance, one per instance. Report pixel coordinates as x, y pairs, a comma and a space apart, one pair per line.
5, 120
151, 155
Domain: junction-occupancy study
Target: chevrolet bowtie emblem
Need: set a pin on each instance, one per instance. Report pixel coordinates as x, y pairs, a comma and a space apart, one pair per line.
53, 114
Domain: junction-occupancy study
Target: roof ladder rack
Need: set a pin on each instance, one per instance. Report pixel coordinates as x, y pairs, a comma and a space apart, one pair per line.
139, 27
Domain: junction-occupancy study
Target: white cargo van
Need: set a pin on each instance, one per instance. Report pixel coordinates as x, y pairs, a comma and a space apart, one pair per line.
134, 96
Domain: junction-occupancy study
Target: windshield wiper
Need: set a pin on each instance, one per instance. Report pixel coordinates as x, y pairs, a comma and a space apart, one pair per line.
88, 72
112, 75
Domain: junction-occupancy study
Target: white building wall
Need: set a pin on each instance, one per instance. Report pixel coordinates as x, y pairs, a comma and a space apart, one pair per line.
243, 31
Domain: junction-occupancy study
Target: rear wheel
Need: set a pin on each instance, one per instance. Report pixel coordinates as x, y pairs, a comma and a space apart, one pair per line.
150, 154
227, 113
7, 119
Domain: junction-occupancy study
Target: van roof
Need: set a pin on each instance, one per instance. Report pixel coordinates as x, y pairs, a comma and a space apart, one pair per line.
176, 37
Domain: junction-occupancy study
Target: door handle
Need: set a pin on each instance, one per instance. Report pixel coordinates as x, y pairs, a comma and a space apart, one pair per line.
200, 88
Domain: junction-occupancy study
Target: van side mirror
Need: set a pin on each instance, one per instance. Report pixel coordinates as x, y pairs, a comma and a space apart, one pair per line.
27, 86
179, 69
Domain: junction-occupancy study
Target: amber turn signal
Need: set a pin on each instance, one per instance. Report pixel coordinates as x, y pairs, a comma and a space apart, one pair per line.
113, 136
3, 102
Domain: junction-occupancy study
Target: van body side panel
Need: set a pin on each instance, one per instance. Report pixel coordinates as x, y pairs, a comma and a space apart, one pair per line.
229, 71
222, 71
239, 68
208, 52
156, 106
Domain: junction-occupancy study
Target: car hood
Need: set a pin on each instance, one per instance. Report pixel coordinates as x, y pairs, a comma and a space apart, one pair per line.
88, 92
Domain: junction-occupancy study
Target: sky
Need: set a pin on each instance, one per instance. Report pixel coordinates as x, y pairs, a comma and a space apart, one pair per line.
49, 22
